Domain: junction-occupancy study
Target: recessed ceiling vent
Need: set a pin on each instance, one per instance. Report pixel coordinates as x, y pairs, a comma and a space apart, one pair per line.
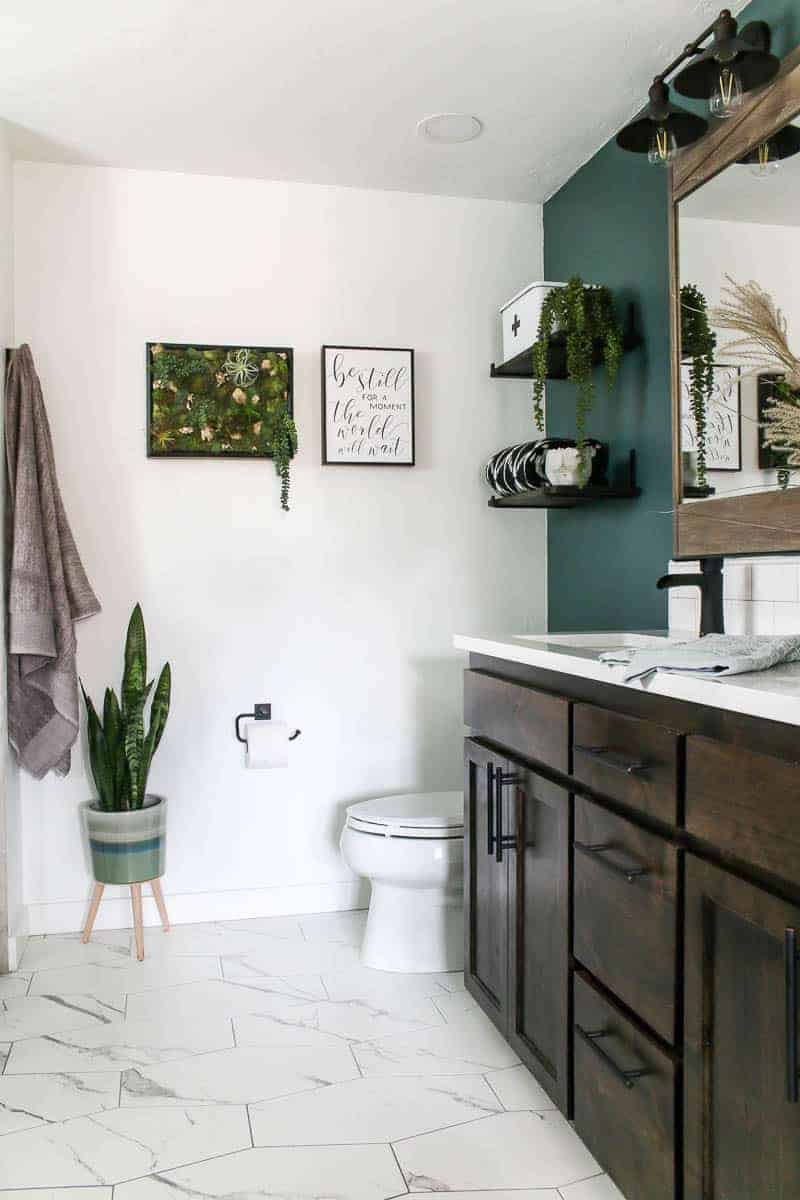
450, 127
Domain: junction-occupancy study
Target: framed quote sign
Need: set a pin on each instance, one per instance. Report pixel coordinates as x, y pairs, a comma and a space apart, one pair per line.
367, 406
723, 418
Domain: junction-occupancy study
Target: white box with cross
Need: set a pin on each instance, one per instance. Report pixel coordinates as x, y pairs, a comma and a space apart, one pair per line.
520, 318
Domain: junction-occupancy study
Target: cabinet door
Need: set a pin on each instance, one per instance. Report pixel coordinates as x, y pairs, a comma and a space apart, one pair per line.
538, 995
742, 1117
485, 883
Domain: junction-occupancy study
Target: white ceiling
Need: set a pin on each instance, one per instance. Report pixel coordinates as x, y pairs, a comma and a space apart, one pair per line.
330, 91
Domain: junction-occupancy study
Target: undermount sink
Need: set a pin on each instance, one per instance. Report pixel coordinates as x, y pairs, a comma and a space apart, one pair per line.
598, 642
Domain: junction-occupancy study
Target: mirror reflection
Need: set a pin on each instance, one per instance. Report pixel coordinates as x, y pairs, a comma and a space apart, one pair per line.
739, 254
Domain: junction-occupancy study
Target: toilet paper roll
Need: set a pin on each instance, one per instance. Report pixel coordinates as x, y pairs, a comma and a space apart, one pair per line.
267, 744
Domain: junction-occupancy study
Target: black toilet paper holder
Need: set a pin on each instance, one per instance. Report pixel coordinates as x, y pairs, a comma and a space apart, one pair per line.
261, 712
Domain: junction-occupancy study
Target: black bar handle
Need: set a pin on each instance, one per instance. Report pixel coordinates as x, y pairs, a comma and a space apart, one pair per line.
498, 808
790, 968
490, 808
501, 842
615, 760
592, 1039
596, 850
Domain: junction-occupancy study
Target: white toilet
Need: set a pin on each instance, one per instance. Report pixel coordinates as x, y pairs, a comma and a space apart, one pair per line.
411, 848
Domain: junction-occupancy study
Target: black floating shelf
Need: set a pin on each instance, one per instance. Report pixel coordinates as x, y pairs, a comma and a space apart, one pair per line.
697, 493
521, 366
549, 497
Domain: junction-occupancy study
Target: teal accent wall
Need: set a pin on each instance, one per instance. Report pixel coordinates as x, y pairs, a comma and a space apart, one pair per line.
783, 17
608, 224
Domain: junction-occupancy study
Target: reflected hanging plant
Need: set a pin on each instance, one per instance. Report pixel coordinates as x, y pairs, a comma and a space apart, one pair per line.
698, 346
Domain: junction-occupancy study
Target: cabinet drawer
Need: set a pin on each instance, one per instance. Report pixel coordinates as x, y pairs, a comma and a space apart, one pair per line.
624, 1097
534, 724
627, 759
747, 804
625, 912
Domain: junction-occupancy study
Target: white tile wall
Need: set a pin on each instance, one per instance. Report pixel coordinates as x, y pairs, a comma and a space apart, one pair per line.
762, 595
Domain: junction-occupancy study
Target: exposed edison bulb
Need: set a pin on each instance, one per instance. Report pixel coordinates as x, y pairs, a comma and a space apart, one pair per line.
727, 95
767, 163
663, 147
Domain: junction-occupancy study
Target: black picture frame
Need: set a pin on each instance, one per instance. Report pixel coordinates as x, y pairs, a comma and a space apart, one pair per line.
200, 455
686, 413
366, 462
768, 458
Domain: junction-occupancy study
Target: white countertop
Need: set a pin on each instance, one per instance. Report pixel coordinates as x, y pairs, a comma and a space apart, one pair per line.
774, 694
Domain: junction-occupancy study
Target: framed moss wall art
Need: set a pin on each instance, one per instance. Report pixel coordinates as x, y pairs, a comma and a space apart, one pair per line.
221, 402
216, 401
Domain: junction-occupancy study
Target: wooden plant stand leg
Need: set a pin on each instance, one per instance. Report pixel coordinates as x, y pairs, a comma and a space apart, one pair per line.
97, 896
158, 896
138, 931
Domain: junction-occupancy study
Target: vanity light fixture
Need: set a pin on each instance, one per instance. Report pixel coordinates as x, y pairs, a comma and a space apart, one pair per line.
734, 63
662, 129
765, 158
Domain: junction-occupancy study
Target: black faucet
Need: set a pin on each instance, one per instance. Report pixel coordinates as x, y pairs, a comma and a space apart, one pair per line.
712, 619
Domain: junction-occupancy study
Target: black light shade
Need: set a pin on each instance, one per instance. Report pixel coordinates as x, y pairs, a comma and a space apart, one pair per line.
684, 126
782, 144
746, 53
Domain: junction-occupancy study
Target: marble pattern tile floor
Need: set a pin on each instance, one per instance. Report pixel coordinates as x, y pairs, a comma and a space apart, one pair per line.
258, 1059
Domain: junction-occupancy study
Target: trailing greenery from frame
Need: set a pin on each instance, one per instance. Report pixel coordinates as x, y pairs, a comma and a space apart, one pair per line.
698, 346
585, 315
284, 448
219, 401
120, 750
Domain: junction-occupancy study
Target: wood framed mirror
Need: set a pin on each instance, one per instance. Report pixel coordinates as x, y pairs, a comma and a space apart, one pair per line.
734, 220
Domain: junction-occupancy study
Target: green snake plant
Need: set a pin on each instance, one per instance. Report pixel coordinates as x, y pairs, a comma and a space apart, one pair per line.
120, 751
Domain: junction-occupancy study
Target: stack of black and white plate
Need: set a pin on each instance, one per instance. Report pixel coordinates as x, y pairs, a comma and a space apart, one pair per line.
513, 470
520, 468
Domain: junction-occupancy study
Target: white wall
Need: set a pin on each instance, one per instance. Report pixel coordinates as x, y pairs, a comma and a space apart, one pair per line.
769, 254
340, 613
10, 833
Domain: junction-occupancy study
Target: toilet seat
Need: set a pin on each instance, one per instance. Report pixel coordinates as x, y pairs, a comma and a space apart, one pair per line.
426, 815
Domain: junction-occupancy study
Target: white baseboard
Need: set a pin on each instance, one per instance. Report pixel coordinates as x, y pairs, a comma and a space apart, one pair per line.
68, 916
16, 946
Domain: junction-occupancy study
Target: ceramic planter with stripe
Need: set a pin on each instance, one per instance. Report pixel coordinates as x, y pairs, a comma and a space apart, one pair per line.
127, 847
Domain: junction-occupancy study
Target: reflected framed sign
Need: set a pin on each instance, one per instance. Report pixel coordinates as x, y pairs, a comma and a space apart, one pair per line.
723, 417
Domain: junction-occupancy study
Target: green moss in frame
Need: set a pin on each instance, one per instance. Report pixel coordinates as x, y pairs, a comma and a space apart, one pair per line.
216, 401
221, 402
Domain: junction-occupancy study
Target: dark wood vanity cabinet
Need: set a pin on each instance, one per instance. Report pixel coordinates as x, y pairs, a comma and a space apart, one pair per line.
517, 904
633, 924
742, 1116
538, 963
626, 913
625, 1088
486, 887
